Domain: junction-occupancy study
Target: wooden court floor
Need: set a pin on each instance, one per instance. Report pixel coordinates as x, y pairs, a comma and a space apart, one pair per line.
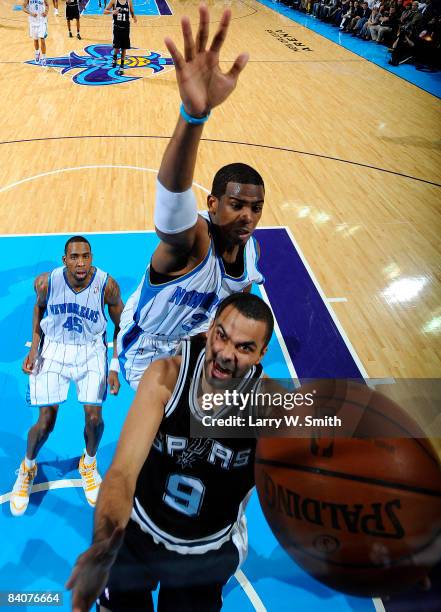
349, 152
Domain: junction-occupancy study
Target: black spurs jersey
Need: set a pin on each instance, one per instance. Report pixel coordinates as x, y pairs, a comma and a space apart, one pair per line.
191, 492
122, 18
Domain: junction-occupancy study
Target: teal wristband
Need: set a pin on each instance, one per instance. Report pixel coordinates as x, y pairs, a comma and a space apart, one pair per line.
193, 120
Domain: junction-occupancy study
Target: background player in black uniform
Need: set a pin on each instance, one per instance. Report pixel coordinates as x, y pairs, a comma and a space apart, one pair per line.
185, 495
121, 12
73, 12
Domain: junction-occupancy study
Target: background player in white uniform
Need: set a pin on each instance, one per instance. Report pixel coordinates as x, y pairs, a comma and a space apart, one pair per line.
201, 259
37, 11
69, 344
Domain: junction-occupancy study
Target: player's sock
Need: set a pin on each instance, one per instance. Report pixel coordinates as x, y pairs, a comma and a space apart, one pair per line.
29, 463
56, 12
87, 459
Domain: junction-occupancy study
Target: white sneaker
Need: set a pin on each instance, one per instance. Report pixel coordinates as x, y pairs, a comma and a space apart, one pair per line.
19, 499
56, 12
43, 62
37, 58
91, 481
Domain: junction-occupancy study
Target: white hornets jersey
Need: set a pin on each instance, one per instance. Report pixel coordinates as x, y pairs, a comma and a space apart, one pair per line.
38, 7
183, 307
73, 317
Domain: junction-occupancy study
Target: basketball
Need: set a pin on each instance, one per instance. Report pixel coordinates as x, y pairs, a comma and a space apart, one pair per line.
358, 506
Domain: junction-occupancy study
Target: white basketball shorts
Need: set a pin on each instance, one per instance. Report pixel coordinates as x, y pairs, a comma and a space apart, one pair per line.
137, 353
38, 27
59, 364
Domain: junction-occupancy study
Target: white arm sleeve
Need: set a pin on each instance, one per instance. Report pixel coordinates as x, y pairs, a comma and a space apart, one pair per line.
174, 212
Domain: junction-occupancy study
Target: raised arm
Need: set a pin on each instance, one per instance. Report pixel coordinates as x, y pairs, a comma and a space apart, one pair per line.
202, 87
41, 288
115, 498
112, 297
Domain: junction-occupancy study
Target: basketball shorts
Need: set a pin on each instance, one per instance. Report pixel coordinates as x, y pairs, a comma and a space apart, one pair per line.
38, 28
188, 583
72, 12
121, 38
137, 350
60, 364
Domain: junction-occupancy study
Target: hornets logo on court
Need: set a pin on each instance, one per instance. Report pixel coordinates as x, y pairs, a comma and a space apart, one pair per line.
95, 68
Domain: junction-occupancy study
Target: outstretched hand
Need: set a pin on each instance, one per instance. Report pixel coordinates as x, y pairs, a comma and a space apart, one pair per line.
202, 85
91, 571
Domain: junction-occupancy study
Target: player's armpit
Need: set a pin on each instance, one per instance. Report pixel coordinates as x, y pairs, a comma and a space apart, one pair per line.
180, 253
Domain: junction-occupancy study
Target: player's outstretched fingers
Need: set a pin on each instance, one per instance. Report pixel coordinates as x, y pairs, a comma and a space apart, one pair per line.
221, 33
238, 66
203, 30
177, 57
189, 46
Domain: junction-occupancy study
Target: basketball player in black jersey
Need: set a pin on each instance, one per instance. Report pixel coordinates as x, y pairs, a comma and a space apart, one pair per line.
170, 509
121, 11
73, 12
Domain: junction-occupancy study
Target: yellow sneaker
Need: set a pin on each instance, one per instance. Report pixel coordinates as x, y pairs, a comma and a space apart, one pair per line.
21, 490
91, 481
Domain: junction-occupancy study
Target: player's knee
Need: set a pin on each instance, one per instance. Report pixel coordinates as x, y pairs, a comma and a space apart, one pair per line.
46, 422
94, 421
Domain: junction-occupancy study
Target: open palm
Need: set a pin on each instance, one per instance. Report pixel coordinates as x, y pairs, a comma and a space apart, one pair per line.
202, 85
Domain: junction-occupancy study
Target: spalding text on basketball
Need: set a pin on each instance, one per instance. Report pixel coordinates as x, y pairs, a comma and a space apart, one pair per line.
374, 519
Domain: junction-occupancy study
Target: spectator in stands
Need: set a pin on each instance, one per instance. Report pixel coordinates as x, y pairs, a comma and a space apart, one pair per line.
337, 15
360, 18
328, 9
410, 28
354, 13
374, 19
388, 24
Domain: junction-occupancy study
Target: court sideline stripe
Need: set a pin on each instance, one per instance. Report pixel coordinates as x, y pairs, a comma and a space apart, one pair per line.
236, 142
50, 485
249, 590
379, 606
280, 338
